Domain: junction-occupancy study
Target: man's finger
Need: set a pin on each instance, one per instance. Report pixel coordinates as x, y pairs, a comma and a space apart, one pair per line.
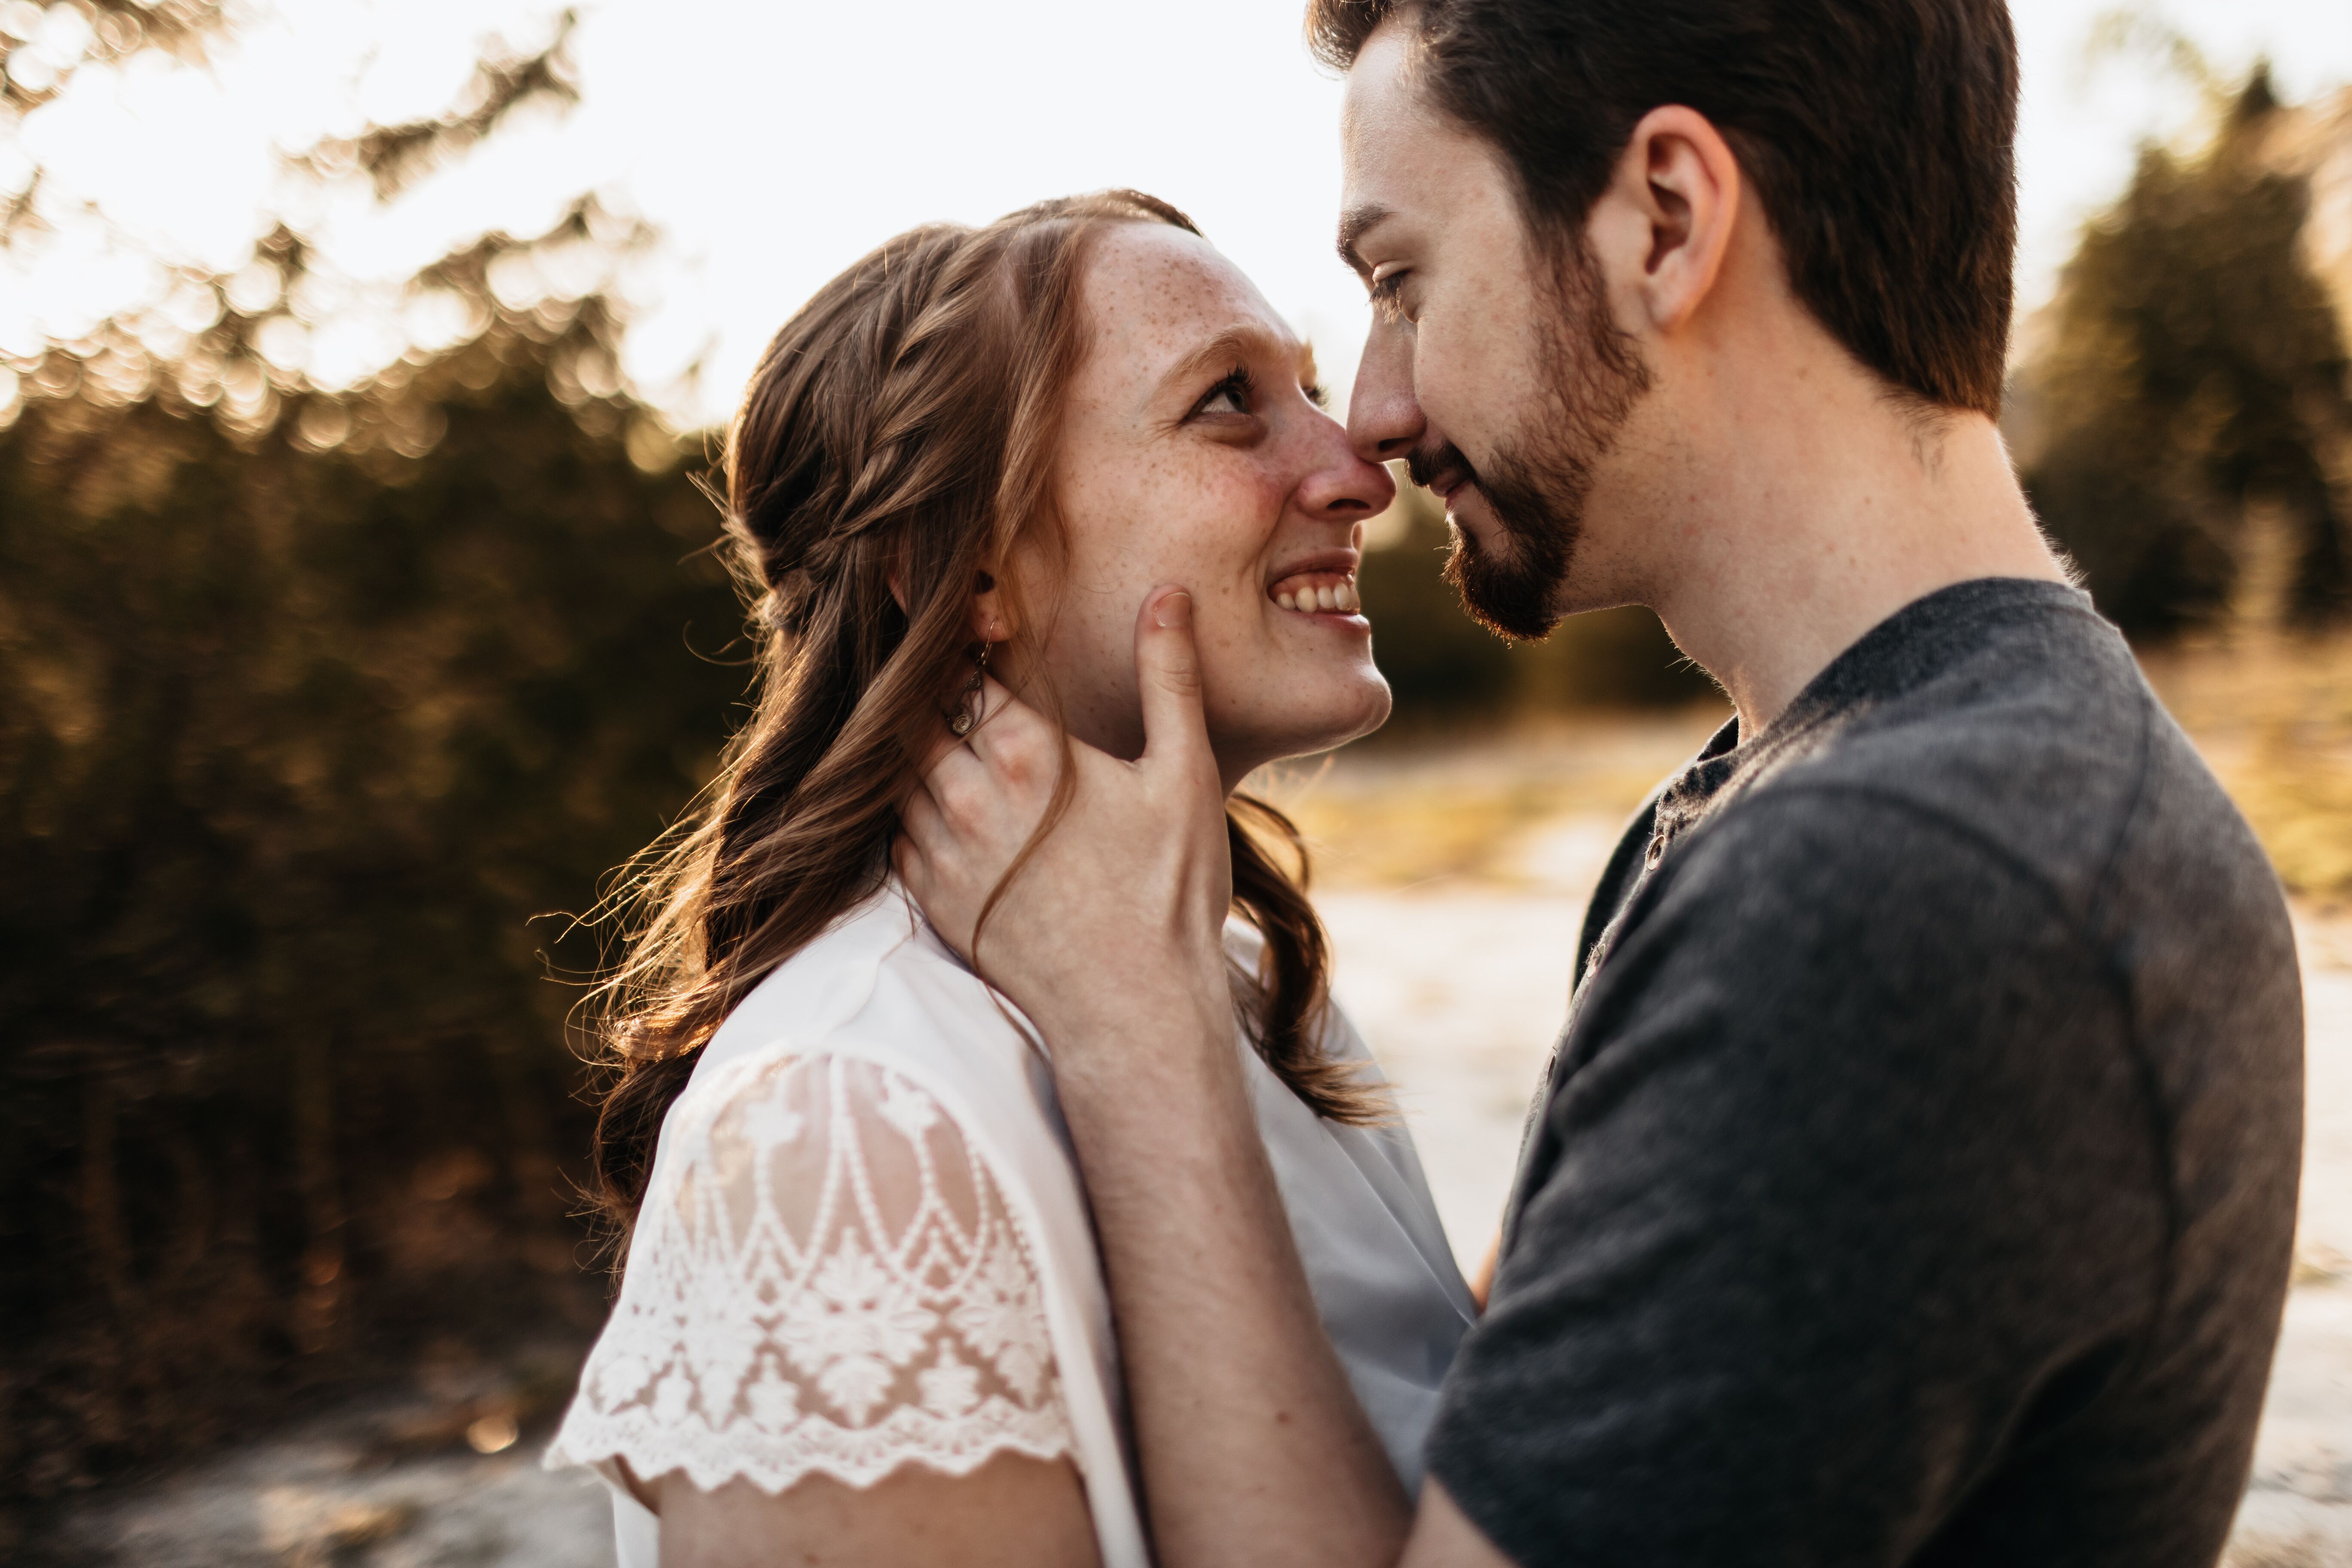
921, 823
922, 852
991, 707
934, 747
958, 782
914, 869
1006, 724
1168, 670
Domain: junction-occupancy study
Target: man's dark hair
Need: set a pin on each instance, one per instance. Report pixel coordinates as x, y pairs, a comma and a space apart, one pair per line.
1879, 135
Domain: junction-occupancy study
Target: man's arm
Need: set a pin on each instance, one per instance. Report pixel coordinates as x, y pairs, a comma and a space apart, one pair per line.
1254, 1446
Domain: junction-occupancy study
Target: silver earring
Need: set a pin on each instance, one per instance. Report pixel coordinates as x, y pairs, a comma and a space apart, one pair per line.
967, 711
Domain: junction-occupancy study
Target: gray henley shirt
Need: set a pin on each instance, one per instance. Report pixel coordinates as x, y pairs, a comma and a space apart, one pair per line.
1915, 1181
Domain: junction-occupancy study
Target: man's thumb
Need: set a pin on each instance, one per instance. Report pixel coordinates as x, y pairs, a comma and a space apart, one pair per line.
1167, 669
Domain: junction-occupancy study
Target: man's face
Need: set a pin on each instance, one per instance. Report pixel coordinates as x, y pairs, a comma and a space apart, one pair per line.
1494, 367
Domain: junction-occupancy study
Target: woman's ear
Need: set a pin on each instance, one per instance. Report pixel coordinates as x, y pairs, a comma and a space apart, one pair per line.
991, 616
991, 613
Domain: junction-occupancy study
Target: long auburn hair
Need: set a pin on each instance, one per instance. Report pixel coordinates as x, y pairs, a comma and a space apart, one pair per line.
902, 426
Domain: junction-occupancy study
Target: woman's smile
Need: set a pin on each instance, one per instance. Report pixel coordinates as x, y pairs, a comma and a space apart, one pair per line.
1321, 583
1312, 596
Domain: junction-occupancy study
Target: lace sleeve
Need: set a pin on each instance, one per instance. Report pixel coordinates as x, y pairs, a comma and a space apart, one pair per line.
825, 1280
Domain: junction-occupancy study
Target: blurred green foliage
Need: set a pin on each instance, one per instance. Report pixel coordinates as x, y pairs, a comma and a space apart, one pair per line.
2194, 374
309, 705
1445, 668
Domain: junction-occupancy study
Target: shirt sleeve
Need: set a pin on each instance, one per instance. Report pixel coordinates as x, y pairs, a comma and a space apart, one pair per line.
1844, 1187
825, 1279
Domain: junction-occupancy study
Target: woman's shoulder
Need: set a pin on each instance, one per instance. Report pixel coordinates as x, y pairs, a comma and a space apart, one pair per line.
826, 1277
843, 1257
879, 993
877, 984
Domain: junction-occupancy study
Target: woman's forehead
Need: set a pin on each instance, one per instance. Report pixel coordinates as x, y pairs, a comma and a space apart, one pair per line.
1159, 297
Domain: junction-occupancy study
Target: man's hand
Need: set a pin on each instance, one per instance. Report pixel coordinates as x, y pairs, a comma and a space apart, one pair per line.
1122, 905
1111, 938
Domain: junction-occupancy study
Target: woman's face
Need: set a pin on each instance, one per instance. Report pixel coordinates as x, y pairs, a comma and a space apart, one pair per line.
1194, 452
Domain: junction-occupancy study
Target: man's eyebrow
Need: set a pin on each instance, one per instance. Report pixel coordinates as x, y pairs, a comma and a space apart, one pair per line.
1356, 222
1236, 344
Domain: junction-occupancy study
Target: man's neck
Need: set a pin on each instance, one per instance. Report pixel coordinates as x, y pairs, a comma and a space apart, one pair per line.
1803, 510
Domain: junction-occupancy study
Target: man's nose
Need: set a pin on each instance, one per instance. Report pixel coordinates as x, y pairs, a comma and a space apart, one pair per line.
1384, 419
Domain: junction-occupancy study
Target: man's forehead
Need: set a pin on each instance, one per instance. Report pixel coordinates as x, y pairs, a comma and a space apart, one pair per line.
1405, 163
1382, 75
1390, 136
1382, 98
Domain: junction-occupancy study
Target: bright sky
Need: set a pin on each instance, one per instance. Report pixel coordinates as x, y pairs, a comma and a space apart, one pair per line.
773, 144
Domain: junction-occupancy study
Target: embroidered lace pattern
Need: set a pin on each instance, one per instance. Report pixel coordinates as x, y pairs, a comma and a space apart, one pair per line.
825, 1280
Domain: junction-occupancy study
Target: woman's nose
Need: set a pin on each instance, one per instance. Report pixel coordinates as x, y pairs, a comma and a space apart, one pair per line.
1384, 418
1345, 488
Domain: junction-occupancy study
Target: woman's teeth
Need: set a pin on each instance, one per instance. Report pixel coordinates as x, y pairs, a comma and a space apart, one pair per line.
1336, 596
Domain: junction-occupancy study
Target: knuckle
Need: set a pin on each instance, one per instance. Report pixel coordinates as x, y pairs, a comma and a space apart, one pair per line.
956, 799
1023, 759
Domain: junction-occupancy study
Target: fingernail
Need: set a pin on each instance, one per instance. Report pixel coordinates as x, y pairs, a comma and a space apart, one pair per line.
1173, 611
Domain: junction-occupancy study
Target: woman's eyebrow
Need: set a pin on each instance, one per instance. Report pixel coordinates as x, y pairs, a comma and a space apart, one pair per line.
1236, 344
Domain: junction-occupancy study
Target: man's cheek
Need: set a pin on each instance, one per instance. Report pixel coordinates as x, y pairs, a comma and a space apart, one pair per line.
1452, 374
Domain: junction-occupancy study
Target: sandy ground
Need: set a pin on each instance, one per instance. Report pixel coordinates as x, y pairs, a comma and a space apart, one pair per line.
2298, 1511
1459, 979
314, 1497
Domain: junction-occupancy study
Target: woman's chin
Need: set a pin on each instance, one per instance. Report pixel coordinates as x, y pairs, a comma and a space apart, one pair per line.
1300, 735
1378, 704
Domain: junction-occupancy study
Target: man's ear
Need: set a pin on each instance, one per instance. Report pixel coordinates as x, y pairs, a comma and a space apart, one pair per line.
1661, 228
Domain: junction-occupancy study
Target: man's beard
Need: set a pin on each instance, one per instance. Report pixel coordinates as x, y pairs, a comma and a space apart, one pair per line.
1538, 482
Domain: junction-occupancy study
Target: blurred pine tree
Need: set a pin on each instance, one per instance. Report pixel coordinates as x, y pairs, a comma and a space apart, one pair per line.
2193, 377
310, 704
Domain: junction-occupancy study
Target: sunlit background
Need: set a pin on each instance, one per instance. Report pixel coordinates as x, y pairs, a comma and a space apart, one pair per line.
358, 370
772, 145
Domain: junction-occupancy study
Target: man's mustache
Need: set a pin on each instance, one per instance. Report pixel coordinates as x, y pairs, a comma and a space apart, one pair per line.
1425, 465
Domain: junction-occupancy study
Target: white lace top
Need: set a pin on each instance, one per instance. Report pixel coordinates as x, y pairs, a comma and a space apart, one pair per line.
864, 1245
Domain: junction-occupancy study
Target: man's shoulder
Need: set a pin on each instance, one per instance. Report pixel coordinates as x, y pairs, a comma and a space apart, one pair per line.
2030, 812
2045, 750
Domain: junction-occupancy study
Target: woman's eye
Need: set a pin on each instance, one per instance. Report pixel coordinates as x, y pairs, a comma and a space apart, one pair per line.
1231, 395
